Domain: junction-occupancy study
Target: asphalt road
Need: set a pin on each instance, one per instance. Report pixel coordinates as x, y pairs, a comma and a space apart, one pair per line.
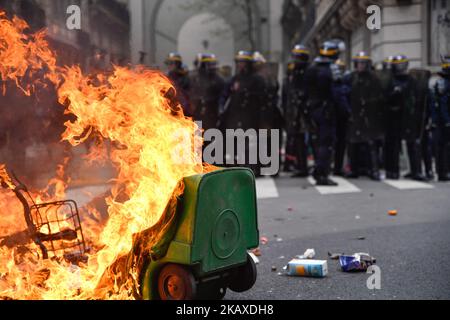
412, 249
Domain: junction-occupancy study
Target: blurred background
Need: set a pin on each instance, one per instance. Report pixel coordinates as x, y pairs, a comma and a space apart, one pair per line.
144, 31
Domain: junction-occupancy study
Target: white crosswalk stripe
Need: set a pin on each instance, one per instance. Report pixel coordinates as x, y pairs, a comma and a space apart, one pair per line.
266, 188
408, 184
343, 187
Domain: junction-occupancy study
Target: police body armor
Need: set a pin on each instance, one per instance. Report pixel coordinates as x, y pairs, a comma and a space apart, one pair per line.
418, 122
367, 112
321, 110
403, 99
270, 114
205, 93
319, 86
442, 107
440, 111
246, 98
294, 102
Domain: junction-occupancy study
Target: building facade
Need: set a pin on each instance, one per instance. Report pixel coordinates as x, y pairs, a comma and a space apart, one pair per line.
419, 29
249, 24
103, 38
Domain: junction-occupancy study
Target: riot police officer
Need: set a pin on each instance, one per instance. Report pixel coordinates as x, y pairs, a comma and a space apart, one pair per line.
401, 121
341, 95
178, 74
440, 110
321, 109
385, 76
420, 135
294, 106
243, 98
270, 116
206, 86
366, 120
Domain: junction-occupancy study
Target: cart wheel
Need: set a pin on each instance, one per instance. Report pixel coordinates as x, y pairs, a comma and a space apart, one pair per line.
221, 292
245, 276
176, 282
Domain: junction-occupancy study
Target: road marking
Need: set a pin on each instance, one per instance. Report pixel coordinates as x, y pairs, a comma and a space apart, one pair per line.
343, 186
408, 184
266, 188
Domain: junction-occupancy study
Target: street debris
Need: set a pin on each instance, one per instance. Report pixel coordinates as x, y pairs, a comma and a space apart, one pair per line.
264, 240
308, 254
307, 268
254, 257
356, 262
361, 238
279, 239
256, 252
290, 209
392, 212
357, 217
274, 268
334, 256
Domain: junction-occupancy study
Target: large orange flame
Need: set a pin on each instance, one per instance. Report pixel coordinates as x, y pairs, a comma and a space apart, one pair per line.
130, 107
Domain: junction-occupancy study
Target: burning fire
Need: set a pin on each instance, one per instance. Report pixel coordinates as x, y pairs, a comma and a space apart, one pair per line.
132, 109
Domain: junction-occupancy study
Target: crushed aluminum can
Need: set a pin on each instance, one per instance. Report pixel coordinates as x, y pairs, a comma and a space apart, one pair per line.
356, 262
307, 268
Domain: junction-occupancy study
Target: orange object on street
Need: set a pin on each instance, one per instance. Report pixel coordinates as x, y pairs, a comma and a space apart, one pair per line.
393, 212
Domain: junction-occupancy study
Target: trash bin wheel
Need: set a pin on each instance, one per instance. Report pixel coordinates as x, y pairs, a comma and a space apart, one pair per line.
244, 277
176, 282
220, 293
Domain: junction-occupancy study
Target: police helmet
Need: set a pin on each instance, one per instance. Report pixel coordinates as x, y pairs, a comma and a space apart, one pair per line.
445, 65
363, 58
174, 57
300, 54
400, 64
330, 50
206, 60
244, 56
258, 58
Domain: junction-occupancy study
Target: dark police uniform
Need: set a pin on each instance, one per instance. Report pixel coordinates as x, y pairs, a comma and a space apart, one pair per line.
418, 136
322, 112
205, 91
294, 105
440, 111
366, 122
341, 95
243, 99
401, 109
